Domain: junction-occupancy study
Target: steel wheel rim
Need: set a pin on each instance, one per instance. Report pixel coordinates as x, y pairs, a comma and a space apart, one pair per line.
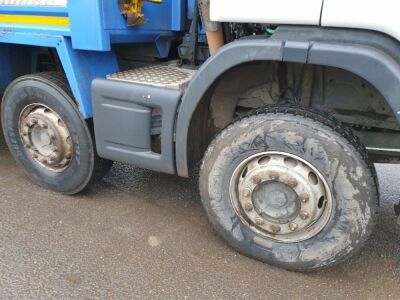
280, 196
45, 137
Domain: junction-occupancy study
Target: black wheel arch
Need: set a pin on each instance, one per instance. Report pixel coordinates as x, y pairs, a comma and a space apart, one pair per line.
373, 56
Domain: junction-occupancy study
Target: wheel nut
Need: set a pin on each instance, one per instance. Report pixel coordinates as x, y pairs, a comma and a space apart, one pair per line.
247, 192
304, 215
248, 206
259, 221
274, 176
44, 126
256, 180
275, 228
292, 182
304, 198
293, 226
35, 156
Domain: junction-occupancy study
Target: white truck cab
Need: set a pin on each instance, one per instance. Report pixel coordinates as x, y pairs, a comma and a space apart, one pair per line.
362, 14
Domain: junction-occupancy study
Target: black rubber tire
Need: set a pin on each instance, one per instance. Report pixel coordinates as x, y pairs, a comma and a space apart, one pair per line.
52, 90
322, 141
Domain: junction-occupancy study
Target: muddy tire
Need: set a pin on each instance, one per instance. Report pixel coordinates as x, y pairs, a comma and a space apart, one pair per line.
47, 135
291, 187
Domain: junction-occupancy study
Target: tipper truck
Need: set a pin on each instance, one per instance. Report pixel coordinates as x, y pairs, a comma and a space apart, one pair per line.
280, 108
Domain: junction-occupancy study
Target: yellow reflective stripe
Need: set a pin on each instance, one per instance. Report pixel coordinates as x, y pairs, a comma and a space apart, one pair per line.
35, 20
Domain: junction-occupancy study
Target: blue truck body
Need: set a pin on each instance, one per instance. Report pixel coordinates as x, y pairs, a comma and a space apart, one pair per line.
84, 41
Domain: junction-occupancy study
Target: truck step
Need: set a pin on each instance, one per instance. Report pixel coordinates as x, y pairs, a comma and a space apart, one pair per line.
164, 76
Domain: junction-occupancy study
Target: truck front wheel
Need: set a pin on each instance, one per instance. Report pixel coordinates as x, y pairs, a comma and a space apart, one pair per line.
291, 187
47, 135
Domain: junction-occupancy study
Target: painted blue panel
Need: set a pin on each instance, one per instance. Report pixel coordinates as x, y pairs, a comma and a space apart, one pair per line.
35, 36
15, 61
81, 67
86, 22
178, 15
190, 8
159, 16
97, 23
163, 44
34, 10
8, 29
161, 21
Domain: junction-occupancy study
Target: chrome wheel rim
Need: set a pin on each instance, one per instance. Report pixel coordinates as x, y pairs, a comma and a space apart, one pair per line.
45, 137
281, 197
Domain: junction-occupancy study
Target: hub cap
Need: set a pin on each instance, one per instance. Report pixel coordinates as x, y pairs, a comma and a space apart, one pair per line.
281, 196
45, 137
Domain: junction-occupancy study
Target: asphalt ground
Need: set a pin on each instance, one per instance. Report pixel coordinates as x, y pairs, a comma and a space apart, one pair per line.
144, 235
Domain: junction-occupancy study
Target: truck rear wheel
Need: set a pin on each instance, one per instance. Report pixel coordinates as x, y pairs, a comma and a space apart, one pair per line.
291, 187
47, 135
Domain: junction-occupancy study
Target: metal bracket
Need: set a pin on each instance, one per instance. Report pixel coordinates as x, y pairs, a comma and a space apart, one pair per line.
132, 10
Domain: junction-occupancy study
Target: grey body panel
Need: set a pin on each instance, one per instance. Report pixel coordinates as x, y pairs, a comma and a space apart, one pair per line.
122, 121
373, 56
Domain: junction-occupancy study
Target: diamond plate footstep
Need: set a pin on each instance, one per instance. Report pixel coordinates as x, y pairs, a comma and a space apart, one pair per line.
160, 75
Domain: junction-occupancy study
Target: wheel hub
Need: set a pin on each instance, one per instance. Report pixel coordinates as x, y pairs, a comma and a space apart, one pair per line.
275, 201
281, 196
45, 137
